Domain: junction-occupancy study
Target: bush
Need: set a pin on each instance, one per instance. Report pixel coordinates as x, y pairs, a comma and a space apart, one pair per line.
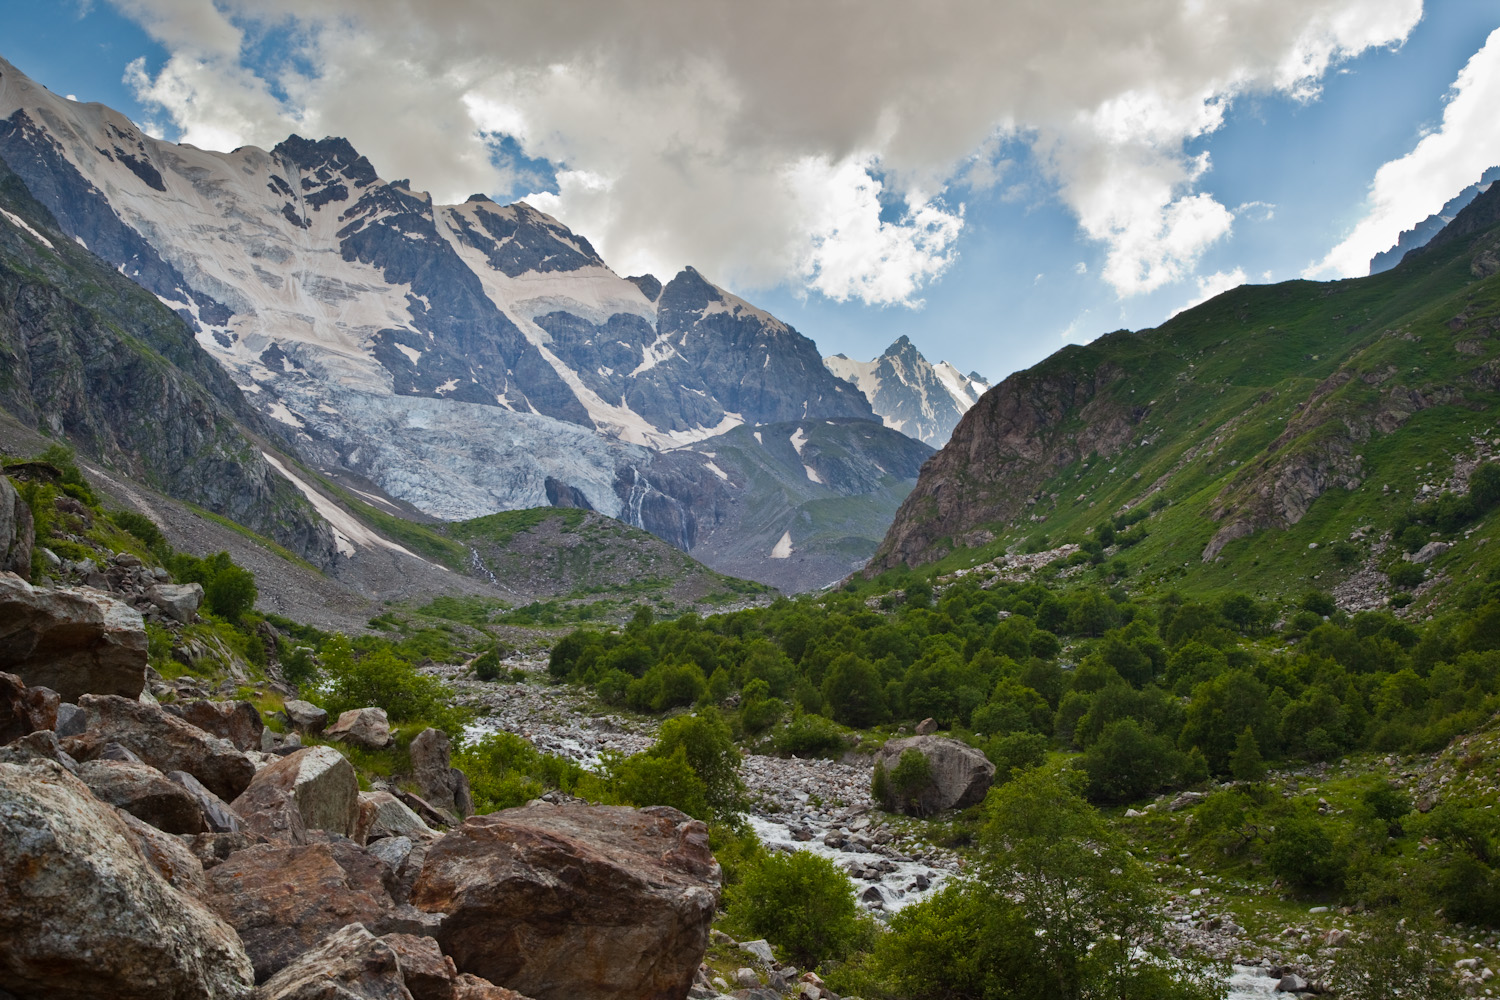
801, 902
228, 590
1407, 575
1391, 961
384, 680
809, 736
852, 690
708, 747
1246, 763
487, 665
143, 529
654, 780
505, 771
1127, 762
1302, 853
909, 777
1016, 752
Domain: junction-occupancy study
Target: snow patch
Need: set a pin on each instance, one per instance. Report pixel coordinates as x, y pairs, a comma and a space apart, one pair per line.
278, 411
813, 475
21, 223
717, 471
783, 549
799, 440
348, 533
412, 354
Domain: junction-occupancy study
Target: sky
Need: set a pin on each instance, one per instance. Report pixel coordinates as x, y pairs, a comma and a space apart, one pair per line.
992, 178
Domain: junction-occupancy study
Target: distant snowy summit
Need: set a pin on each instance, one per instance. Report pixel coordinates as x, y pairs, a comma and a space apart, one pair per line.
910, 394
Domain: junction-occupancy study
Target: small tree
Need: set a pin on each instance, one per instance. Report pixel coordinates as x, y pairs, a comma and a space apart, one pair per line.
910, 777
880, 786
1246, 763
1391, 961
801, 902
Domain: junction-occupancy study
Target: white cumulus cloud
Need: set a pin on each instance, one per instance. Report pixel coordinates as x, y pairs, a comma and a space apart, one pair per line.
827, 145
1444, 162
1210, 285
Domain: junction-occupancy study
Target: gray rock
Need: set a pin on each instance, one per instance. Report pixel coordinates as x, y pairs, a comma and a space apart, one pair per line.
1428, 552
179, 601
442, 785
37, 746
17, 531
388, 816
927, 727
761, 949
312, 789
25, 709
71, 720
305, 717
74, 641
84, 915
1291, 983
364, 727
1185, 800
746, 978
145, 793
961, 775
217, 813
350, 964
236, 721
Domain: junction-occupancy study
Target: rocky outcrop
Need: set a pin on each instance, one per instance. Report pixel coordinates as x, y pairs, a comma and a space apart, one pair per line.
527, 891
351, 964
178, 601
442, 785
284, 899
17, 531
960, 774
145, 793
311, 789
384, 815
25, 710
1016, 437
236, 721
162, 740
362, 727
73, 640
84, 915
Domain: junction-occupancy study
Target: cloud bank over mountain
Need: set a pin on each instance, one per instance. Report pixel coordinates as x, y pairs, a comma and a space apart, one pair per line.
828, 146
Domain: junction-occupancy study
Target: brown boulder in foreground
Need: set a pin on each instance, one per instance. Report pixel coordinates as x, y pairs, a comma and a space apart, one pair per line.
73, 640
312, 789
162, 740
575, 900
25, 710
84, 915
352, 964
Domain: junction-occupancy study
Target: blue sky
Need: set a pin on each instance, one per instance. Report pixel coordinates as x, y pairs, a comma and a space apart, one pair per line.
811, 204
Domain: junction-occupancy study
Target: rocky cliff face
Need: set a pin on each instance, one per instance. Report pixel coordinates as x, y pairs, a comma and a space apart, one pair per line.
461, 357
88, 356
909, 393
1424, 231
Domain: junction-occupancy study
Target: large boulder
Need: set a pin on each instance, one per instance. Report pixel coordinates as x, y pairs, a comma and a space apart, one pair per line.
960, 774
305, 717
283, 899
428, 973
217, 814
17, 531
73, 640
442, 784
236, 721
162, 740
314, 788
362, 727
352, 964
384, 815
83, 914
178, 601
561, 901
145, 793
25, 709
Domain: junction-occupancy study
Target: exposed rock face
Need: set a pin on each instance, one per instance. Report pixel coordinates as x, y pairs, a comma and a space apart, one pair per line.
364, 727
145, 793
305, 717
529, 891
911, 395
961, 775
352, 964
169, 856
164, 741
1012, 440
25, 710
217, 813
179, 601
236, 721
283, 900
443, 785
74, 641
84, 915
428, 973
17, 531
312, 789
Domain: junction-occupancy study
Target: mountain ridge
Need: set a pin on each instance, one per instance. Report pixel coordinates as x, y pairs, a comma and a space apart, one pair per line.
909, 393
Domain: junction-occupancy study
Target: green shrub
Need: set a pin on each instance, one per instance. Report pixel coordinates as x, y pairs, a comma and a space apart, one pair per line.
708, 747
912, 774
809, 736
505, 771
143, 529
1128, 762
758, 710
487, 665
1302, 853
1016, 752
880, 786
384, 680
1391, 961
1407, 575
801, 902
652, 780
1246, 763
852, 690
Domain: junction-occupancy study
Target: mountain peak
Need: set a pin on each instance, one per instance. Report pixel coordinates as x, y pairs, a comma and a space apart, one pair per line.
333, 153
909, 393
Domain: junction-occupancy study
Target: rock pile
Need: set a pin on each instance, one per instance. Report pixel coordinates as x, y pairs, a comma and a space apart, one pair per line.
150, 852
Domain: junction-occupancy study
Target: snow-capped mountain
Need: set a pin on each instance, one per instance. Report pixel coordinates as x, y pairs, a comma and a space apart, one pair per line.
909, 393
1420, 234
466, 358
